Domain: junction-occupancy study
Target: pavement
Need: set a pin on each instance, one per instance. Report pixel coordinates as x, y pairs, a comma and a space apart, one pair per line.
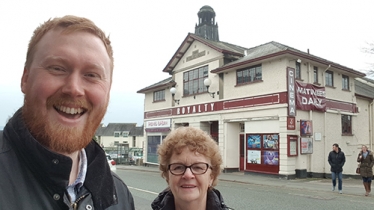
351, 186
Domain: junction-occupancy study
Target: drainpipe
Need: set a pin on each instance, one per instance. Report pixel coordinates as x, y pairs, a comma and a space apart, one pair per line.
371, 135
324, 80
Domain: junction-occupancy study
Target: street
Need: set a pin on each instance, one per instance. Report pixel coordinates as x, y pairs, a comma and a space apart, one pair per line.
145, 186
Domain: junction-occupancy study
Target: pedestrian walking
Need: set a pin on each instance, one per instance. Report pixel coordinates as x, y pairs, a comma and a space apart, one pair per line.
366, 160
336, 160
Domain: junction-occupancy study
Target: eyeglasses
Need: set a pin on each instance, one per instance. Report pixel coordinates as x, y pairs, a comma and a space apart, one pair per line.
196, 168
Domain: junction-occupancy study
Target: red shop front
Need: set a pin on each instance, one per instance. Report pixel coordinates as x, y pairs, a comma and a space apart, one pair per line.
262, 153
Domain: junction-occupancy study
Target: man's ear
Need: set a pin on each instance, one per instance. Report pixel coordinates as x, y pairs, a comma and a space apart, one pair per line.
24, 79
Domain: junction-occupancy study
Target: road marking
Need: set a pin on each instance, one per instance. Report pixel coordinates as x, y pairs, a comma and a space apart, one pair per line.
147, 191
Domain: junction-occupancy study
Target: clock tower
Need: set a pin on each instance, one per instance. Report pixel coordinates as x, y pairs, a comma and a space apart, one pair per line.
207, 28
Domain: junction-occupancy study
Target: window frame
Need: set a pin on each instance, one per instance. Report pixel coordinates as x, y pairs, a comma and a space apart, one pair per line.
193, 81
345, 82
250, 72
346, 122
297, 70
329, 79
118, 134
315, 74
159, 95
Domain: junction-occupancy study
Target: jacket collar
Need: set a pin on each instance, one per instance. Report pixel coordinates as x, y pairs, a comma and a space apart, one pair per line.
53, 169
165, 200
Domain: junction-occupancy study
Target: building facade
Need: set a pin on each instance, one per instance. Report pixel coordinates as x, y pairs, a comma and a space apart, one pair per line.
271, 108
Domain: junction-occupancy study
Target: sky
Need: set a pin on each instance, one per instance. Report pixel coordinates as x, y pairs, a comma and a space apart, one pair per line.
145, 34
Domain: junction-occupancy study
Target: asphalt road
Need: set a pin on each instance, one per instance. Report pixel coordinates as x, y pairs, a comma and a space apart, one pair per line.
145, 185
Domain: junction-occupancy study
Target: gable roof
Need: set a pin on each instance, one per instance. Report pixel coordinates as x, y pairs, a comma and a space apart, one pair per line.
112, 127
223, 47
274, 49
163, 84
137, 131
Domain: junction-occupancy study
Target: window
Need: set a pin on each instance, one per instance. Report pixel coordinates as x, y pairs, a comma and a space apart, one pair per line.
193, 81
159, 95
315, 74
117, 133
346, 124
248, 75
298, 70
345, 82
134, 141
125, 134
329, 78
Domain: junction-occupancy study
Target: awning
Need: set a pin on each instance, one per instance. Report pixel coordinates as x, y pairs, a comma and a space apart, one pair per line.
157, 130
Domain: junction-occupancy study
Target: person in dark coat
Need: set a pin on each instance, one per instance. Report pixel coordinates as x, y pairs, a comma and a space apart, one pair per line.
366, 160
190, 162
336, 160
48, 159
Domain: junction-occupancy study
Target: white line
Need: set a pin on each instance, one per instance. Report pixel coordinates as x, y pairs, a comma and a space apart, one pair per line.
143, 190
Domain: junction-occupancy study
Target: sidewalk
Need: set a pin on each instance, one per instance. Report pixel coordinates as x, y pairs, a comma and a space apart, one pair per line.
350, 186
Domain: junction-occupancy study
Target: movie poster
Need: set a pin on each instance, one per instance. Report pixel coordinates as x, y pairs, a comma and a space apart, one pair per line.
270, 141
306, 145
254, 156
271, 157
254, 141
306, 128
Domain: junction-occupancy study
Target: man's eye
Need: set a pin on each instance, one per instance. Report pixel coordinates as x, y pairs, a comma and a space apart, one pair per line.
92, 75
55, 68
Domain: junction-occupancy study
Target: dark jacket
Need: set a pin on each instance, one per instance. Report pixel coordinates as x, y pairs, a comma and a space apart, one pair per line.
33, 177
336, 161
165, 201
366, 164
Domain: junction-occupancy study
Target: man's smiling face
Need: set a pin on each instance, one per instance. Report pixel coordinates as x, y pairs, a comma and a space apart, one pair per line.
66, 89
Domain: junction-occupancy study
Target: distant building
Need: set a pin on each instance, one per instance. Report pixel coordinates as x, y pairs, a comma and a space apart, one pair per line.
125, 134
255, 101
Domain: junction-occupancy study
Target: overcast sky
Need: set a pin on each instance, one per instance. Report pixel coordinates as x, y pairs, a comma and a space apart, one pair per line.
146, 34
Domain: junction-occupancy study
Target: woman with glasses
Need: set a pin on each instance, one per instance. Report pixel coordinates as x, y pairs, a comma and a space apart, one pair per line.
190, 163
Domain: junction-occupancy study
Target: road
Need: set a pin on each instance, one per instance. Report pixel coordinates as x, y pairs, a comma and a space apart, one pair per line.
145, 186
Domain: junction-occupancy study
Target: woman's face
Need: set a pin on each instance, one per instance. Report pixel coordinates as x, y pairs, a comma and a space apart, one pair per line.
188, 187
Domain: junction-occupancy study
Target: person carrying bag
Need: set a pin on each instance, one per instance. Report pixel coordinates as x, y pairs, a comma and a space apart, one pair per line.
366, 162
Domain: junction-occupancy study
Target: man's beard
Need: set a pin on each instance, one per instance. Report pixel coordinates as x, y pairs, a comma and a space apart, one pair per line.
57, 137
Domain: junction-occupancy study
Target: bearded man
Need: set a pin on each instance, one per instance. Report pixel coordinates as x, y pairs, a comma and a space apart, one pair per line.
48, 159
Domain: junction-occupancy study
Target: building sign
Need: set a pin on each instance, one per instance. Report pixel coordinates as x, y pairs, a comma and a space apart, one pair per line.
195, 109
291, 91
158, 123
291, 124
195, 54
310, 97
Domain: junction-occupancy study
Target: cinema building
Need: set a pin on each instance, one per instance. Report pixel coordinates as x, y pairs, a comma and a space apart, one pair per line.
271, 108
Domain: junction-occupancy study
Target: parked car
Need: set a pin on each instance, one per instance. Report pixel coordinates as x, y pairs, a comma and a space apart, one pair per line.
111, 162
114, 155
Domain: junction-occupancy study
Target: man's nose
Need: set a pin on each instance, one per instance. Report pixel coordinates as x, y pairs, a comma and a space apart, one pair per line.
73, 85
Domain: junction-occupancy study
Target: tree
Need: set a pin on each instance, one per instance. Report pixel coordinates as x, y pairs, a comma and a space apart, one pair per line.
369, 50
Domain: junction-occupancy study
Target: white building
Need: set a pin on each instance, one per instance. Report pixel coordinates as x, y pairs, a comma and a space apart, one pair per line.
271, 108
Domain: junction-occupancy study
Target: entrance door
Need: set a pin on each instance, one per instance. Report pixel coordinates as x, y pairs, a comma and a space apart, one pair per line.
241, 152
214, 130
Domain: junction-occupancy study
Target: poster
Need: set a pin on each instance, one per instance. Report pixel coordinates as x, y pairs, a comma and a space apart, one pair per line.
306, 145
254, 156
271, 158
306, 128
270, 141
293, 148
254, 141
